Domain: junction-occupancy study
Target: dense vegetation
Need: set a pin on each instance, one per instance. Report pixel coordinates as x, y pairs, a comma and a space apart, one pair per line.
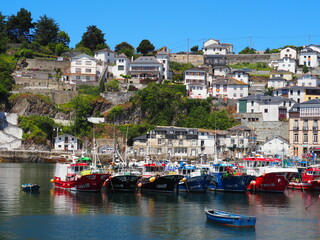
257, 66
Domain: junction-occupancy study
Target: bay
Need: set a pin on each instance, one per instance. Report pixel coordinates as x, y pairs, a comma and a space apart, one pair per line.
58, 214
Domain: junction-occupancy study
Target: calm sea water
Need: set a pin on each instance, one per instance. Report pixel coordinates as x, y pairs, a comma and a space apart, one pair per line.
53, 214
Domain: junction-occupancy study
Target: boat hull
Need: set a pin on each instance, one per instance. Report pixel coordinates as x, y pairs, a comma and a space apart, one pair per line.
230, 183
87, 183
30, 187
307, 186
195, 184
167, 183
123, 183
228, 219
272, 182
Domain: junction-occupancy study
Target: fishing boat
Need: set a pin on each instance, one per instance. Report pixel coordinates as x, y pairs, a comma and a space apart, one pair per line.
82, 174
196, 178
155, 179
310, 180
270, 175
228, 177
230, 219
30, 187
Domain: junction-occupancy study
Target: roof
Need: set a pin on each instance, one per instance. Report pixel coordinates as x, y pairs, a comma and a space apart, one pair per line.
266, 99
239, 128
215, 46
280, 71
297, 88
197, 69
122, 55
105, 50
229, 81
162, 52
146, 60
308, 104
277, 137
277, 79
83, 55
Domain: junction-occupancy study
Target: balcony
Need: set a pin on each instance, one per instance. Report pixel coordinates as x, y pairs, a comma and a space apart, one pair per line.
314, 128
305, 128
295, 128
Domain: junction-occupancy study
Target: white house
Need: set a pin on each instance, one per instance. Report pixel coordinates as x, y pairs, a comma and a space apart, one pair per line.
146, 68
122, 66
221, 70
240, 75
298, 93
105, 55
309, 57
287, 64
288, 52
272, 108
282, 73
196, 80
164, 57
277, 82
83, 68
276, 147
213, 47
207, 143
308, 80
66, 142
228, 88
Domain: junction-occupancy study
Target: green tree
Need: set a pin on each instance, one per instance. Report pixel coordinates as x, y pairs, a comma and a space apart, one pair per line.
125, 48
126, 77
145, 46
305, 69
195, 48
19, 26
83, 109
93, 39
3, 34
46, 30
60, 48
102, 86
63, 38
248, 50
6, 80
267, 50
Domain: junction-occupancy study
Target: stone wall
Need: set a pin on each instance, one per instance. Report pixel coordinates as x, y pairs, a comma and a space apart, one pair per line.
44, 64
117, 97
198, 59
264, 130
195, 59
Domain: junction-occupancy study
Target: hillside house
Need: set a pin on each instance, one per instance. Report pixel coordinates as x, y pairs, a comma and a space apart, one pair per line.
196, 81
214, 47
121, 67
309, 57
308, 80
83, 68
271, 108
287, 64
275, 147
66, 142
105, 55
298, 93
281, 73
240, 75
288, 52
228, 88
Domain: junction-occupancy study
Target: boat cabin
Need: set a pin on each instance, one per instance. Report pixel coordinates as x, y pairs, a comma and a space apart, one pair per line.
311, 174
260, 162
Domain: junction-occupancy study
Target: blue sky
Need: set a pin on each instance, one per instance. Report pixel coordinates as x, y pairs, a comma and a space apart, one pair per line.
178, 24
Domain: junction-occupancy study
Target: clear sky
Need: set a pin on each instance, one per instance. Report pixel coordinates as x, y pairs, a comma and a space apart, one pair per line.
181, 24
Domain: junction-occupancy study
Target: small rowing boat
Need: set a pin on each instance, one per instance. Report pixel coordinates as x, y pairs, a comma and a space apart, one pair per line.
30, 187
230, 219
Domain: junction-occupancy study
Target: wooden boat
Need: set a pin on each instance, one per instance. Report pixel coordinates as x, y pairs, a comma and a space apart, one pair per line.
230, 219
30, 187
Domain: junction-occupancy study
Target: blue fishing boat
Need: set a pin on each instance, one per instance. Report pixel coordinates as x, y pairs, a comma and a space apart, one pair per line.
227, 177
196, 179
230, 219
30, 187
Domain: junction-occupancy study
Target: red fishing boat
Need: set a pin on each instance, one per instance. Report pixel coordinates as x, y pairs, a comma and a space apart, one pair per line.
270, 175
79, 175
310, 180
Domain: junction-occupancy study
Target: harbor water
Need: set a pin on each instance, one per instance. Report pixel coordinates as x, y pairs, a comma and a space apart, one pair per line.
58, 214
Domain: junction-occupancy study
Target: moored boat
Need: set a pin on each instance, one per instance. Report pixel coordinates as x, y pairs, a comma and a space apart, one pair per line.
30, 187
230, 219
124, 180
79, 175
196, 178
310, 180
155, 179
228, 177
269, 173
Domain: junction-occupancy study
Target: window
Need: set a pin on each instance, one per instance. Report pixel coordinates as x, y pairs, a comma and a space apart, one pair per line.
78, 62
78, 78
295, 138
159, 141
298, 92
159, 150
88, 63
252, 103
78, 70
120, 67
305, 138
180, 142
88, 78
315, 138
265, 110
88, 70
